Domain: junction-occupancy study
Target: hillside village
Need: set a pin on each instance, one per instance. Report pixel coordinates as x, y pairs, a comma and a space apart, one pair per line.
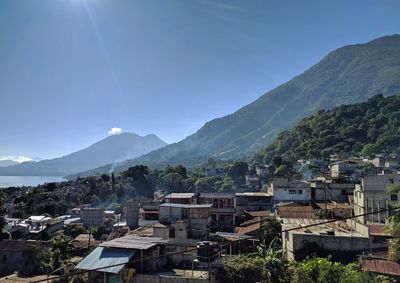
192, 236
199, 141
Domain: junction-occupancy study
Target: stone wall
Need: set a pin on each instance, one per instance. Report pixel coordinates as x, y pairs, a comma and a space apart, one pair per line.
143, 278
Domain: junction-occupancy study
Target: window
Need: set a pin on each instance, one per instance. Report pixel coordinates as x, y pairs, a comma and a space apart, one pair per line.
170, 249
391, 181
172, 232
393, 197
292, 192
215, 203
300, 192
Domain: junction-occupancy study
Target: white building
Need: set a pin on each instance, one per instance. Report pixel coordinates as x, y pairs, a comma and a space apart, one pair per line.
284, 190
372, 195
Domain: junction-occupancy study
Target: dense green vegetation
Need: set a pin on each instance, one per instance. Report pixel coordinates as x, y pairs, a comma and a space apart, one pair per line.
271, 269
109, 190
363, 129
348, 75
394, 229
2, 218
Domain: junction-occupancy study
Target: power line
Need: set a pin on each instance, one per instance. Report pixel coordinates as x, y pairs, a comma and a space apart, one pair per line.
195, 249
115, 265
344, 218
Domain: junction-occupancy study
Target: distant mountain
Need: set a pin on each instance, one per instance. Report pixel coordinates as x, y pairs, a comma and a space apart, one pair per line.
371, 127
113, 149
347, 75
5, 163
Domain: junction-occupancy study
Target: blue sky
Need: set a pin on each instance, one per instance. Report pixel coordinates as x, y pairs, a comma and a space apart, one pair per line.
70, 70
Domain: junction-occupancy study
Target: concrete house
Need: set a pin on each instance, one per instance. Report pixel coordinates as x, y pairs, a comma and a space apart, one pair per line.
372, 195
284, 190
92, 217
38, 226
131, 213
331, 190
253, 182
149, 212
182, 198
342, 169
11, 254
262, 170
197, 217
222, 210
252, 201
336, 239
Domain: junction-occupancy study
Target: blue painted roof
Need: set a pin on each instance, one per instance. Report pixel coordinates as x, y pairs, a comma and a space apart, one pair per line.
102, 257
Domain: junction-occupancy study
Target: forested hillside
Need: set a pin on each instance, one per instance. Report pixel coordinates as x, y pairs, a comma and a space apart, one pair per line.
366, 128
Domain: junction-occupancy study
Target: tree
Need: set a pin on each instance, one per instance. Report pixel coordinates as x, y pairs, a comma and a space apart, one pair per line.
282, 171
35, 261
3, 212
271, 233
266, 265
61, 250
238, 169
394, 228
172, 182
245, 269
140, 182
73, 230
105, 178
180, 169
318, 270
100, 232
113, 179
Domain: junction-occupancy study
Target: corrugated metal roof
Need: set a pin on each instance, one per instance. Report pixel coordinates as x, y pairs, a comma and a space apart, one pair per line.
294, 211
259, 213
378, 230
381, 266
249, 229
103, 257
185, 205
252, 194
37, 218
232, 236
180, 195
251, 221
332, 205
134, 242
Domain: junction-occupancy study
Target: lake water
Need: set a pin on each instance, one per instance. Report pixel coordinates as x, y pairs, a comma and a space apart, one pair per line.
18, 181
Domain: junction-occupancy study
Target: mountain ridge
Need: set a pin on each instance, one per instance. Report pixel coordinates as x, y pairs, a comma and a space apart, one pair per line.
112, 149
347, 75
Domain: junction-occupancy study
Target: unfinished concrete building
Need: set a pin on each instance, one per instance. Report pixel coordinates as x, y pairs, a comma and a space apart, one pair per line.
222, 210
92, 217
132, 213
